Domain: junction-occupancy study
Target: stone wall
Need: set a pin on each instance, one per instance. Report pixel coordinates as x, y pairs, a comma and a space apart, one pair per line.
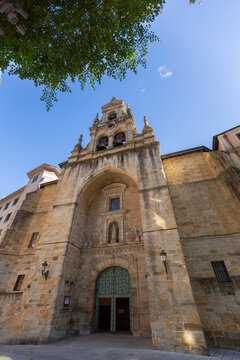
32, 311
204, 193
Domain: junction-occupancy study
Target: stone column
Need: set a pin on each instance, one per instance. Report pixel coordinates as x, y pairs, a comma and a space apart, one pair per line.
174, 318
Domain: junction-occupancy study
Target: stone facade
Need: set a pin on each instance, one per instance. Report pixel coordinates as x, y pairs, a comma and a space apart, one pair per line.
117, 205
9, 205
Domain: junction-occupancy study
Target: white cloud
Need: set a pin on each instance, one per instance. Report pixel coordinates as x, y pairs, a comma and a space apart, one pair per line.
166, 75
143, 90
162, 68
164, 72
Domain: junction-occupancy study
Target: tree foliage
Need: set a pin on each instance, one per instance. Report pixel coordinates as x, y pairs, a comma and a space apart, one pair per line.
80, 40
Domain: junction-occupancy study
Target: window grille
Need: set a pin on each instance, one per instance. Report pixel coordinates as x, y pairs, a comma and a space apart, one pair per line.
220, 271
18, 283
33, 240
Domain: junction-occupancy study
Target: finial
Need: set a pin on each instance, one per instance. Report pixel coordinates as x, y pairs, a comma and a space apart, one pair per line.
79, 144
114, 98
128, 110
96, 120
80, 140
145, 121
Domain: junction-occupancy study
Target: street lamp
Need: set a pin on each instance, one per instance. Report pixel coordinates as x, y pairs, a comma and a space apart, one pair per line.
163, 255
44, 272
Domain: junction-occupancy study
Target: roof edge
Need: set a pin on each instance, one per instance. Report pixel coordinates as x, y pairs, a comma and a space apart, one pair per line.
12, 194
44, 167
48, 183
186, 152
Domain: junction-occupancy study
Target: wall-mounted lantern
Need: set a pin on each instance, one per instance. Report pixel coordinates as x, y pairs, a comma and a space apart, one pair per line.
163, 255
44, 271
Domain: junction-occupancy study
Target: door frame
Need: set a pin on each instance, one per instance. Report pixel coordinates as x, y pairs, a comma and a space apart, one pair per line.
113, 295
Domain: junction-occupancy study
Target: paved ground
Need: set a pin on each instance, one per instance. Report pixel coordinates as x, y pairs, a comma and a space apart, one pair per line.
104, 347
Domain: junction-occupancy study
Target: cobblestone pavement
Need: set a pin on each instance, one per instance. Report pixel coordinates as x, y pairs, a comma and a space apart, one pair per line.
105, 347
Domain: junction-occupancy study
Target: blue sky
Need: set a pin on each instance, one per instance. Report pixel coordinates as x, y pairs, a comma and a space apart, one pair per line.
189, 92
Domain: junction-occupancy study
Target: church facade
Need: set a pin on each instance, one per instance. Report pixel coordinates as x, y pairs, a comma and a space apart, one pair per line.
127, 240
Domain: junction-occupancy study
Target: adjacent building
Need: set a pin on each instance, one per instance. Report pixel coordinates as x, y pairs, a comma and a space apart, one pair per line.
127, 239
10, 204
229, 142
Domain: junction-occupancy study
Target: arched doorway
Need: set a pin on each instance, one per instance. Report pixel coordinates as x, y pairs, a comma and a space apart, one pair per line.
113, 300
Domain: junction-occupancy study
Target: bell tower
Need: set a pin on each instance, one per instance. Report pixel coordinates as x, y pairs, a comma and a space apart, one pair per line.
115, 128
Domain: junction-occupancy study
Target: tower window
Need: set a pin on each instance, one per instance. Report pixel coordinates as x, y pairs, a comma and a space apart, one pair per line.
34, 179
238, 136
112, 116
220, 271
102, 143
119, 139
18, 283
114, 204
33, 240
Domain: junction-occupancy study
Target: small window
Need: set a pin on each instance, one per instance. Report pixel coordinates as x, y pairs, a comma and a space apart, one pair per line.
238, 136
66, 302
15, 201
0, 218
8, 217
33, 240
35, 179
6, 206
119, 139
18, 283
0, 231
102, 143
220, 271
112, 116
114, 204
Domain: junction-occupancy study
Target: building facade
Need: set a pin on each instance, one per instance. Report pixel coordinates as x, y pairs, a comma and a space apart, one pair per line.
9, 205
127, 240
229, 142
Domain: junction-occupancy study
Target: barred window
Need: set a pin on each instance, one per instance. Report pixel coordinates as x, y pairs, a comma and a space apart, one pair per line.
33, 240
18, 283
220, 271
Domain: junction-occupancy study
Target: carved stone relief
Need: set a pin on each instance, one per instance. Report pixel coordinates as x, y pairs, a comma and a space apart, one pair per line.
93, 239
133, 234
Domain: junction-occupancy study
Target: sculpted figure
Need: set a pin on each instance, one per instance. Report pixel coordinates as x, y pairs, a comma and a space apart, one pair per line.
113, 233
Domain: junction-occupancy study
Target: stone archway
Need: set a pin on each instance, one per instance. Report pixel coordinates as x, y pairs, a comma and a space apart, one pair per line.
113, 300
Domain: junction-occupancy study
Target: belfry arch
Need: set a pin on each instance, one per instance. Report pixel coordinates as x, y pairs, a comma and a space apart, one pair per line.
113, 300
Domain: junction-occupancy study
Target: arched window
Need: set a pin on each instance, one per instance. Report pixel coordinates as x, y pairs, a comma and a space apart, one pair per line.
119, 139
113, 233
102, 143
112, 116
